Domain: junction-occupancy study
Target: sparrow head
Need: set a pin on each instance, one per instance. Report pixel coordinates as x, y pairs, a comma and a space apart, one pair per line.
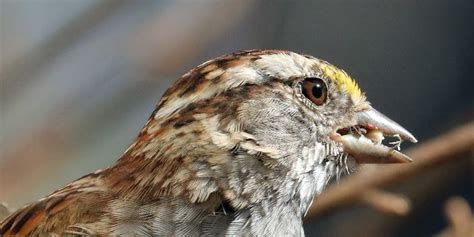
263, 112
270, 92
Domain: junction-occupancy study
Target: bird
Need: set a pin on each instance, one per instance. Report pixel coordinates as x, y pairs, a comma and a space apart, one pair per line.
238, 146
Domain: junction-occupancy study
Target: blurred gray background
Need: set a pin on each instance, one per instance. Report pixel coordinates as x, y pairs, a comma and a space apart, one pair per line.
79, 79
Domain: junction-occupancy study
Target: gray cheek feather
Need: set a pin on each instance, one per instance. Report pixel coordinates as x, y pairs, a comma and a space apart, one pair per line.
278, 124
283, 184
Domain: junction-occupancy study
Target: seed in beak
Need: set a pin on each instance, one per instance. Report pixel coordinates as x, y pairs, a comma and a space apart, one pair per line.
365, 151
375, 135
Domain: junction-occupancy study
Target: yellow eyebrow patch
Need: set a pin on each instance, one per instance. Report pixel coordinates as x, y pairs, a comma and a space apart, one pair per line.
343, 81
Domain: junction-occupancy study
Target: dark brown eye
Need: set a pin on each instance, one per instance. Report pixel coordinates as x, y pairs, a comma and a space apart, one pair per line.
315, 90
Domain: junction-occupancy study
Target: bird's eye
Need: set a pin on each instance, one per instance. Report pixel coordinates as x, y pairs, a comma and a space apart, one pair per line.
315, 90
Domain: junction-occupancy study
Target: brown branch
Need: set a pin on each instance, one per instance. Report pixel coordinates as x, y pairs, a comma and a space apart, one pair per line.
387, 202
428, 155
460, 217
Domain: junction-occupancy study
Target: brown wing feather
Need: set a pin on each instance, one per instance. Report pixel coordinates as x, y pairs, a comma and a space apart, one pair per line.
23, 221
73, 204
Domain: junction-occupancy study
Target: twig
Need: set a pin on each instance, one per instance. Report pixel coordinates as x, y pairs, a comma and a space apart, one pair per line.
387, 202
460, 216
430, 154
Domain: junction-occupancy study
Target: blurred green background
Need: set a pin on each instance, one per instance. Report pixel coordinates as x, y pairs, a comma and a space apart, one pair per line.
79, 79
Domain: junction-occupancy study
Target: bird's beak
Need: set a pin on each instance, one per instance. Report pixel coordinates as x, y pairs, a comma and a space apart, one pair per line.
365, 145
373, 118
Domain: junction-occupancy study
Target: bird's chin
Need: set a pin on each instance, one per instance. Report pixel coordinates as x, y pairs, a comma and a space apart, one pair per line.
363, 141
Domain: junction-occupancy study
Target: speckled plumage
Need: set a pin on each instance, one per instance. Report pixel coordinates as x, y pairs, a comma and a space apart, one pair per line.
233, 148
